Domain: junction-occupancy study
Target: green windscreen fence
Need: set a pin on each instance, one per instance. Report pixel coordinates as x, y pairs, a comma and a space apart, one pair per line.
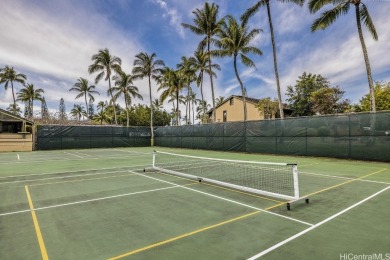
51, 137
363, 136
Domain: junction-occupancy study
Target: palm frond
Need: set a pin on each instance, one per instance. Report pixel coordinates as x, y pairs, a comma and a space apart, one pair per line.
251, 11
316, 5
329, 16
366, 18
297, 2
247, 61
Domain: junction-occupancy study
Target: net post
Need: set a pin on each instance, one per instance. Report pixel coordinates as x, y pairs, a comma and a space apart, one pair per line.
154, 158
296, 182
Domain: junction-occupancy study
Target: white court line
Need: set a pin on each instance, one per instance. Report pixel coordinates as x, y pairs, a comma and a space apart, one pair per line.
133, 152
64, 177
63, 160
86, 201
314, 226
84, 154
341, 177
229, 200
73, 154
14, 212
86, 170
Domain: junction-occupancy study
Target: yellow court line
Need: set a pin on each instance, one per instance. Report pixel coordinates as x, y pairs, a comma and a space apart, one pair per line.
59, 182
36, 226
275, 206
220, 187
183, 235
343, 183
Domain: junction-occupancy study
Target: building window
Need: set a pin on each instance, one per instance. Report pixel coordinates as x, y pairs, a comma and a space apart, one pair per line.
224, 116
232, 101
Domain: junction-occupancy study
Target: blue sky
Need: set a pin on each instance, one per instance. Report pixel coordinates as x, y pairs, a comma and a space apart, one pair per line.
52, 43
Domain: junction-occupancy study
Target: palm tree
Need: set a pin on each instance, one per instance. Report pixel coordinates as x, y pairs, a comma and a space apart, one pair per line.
171, 83
188, 72
124, 86
7, 77
102, 105
101, 117
219, 100
194, 101
234, 41
104, 64
15, 110
78, 111
362, 15
207, 25
199, 63
148, 66
157, 104
251, 11
27, 95
84, 90
203, 106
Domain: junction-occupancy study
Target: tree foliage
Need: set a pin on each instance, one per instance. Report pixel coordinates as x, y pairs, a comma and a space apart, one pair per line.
139, 115
267, 107
329, 101
382, 97
313, 94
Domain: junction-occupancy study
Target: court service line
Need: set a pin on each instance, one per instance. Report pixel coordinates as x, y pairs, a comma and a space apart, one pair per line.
341, 177
86, 170
36, 226
315, 226
83, 154
343, 183
79, 180
73, 154
62, 177
183, 236
132, 152
75, 159
229, 200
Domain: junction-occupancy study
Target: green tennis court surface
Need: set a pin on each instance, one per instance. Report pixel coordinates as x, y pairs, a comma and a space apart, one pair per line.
100, 204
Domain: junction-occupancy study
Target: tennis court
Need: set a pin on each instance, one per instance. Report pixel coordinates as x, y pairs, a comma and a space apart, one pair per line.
100, 204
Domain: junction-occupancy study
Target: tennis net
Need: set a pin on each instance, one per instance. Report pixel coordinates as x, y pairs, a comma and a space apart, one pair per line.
278, 180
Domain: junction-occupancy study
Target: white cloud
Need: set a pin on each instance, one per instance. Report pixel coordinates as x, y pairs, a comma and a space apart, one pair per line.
174, 17
56, 50
338, 57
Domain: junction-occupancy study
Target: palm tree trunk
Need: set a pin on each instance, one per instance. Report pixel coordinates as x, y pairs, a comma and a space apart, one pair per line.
188, 105
177, 107
32, 108
127, 111
86, 104
211, 80
366, 60
193, 113
242, 86
151, 114
275, 61
201, 93
112, 98
13, 95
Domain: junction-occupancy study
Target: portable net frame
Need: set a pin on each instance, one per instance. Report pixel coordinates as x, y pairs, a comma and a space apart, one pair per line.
279, 180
